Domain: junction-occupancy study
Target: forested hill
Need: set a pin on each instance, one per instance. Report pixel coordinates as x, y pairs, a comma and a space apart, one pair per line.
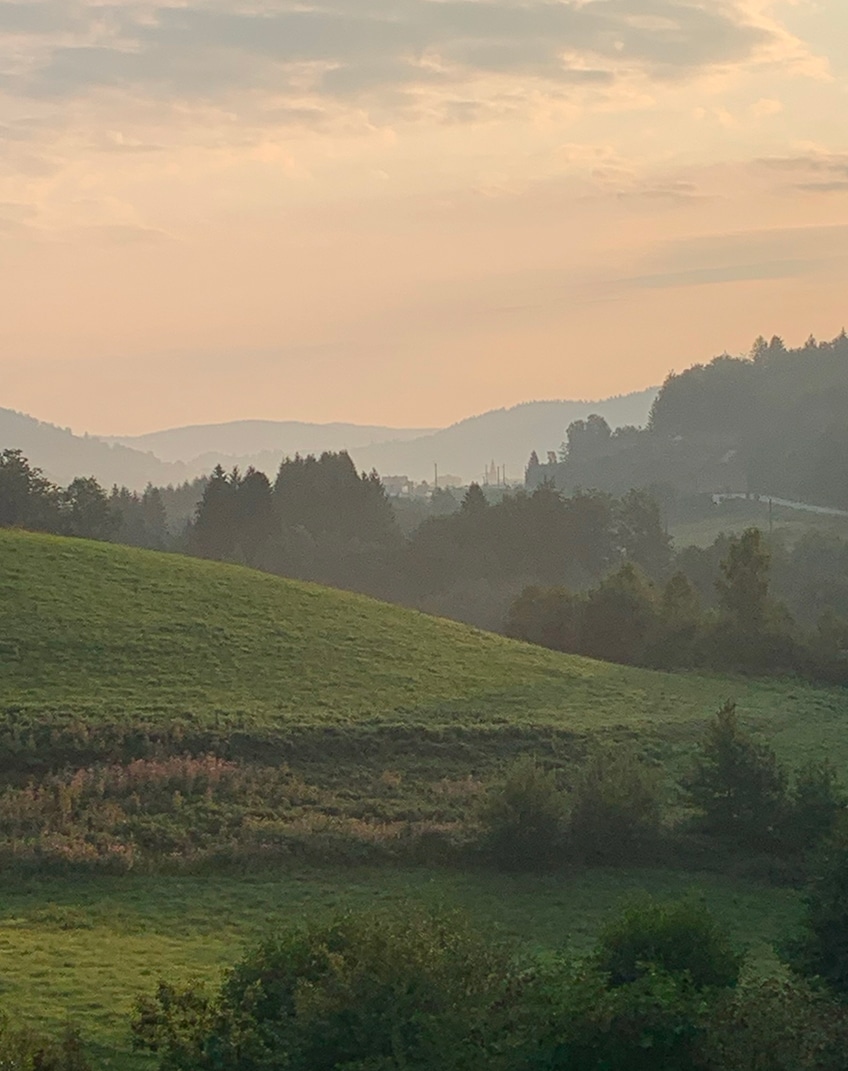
774, 423
63, 455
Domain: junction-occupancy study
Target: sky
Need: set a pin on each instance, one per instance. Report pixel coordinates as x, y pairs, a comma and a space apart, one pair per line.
405, 212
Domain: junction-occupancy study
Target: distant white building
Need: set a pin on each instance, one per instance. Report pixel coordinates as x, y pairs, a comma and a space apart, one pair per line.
397, 486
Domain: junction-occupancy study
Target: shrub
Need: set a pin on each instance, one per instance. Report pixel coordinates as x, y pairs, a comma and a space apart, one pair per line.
821, 949
737, 785
576, 1022
775, 1025
23, 1050
615, 805
678, 938
375, 993
523, 818
816, 803
637, 1004
620, 617
549, 617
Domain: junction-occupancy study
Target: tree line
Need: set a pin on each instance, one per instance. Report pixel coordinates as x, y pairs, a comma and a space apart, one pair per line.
585, 573
773, 422
630, 618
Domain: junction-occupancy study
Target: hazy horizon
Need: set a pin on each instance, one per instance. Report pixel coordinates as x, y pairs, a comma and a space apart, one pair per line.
402, 213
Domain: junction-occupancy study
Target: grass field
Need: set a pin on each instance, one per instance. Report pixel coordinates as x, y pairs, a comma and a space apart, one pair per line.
86, 949
734, 516
351, 717
95, 633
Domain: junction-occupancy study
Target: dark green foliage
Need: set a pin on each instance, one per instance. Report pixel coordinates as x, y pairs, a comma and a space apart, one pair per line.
775, 1025
639, 1003
736, 784
620, 617
27, 498
523, 818
821, 950
679, 938
256, 520
744, 584
22, 1049
817, 802
142, 519
679, 627
615, 806
772, 424
542, 537
641, 534
214, 533
368, 993
474, 501
87, 511
326, 496
549, 617
574, 1020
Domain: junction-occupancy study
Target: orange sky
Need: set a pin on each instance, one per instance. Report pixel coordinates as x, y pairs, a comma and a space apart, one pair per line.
407, 211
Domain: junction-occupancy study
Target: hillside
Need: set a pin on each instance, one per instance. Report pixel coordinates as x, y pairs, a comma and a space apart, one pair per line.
773, 423
63, 455
115, 635
505, 436
165, 719
252, 438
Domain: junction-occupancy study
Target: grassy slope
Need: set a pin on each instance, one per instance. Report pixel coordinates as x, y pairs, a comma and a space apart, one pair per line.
732, 518
87, 949
109, 633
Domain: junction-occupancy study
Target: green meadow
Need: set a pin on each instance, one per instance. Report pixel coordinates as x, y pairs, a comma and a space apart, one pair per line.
93, 633
380, 715
85, 949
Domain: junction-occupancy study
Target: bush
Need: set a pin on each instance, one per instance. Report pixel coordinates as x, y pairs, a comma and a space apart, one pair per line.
620, 617
549, 617
775, 1025
821, 950
679, 938
575, 1021
817, 801
524, 818
637, 1004
376, 993
615, 805
737, 785
23, 1050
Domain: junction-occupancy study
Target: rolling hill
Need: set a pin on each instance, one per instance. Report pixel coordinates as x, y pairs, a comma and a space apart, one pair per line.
63, 455
505, 436
253, 438
94, 633
127, 678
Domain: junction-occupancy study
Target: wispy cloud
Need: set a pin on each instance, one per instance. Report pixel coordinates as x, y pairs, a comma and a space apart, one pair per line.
353, 49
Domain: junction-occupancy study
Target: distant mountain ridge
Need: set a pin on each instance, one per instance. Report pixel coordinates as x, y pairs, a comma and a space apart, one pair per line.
249, 438
505, 436
63, 455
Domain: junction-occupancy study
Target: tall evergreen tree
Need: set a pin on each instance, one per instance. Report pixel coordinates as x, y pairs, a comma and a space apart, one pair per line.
215, 528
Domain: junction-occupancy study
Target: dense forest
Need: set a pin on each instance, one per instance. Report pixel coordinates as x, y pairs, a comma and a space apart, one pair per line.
588, 571
773, 423
585, 573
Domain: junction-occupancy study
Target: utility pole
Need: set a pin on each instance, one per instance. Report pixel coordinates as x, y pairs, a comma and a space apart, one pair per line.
436, 474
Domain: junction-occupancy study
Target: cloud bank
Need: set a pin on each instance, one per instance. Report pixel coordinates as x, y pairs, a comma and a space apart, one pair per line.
386, 53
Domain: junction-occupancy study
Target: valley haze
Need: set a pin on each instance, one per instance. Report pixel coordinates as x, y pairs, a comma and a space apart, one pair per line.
505, 437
